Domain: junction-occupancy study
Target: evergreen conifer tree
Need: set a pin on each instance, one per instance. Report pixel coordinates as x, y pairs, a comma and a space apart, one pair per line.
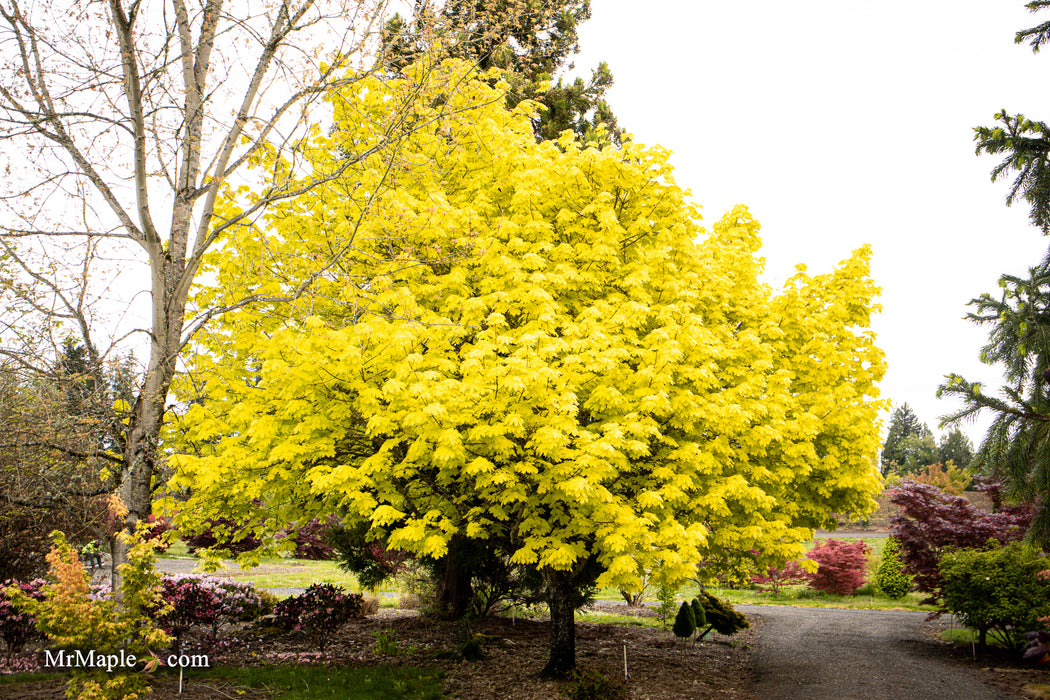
684, 623
699, 616
890, 576
909, 443
1013, 450
955, 447
529, 43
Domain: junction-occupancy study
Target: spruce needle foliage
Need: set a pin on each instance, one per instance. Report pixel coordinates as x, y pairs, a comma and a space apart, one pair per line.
1014, 449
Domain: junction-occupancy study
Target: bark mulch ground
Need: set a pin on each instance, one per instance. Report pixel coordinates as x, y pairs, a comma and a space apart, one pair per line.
514, 653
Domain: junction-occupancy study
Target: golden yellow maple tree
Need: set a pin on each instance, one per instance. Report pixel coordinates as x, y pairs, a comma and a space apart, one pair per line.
535, 344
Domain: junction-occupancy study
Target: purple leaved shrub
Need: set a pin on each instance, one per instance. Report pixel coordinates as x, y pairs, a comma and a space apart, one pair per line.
931, 523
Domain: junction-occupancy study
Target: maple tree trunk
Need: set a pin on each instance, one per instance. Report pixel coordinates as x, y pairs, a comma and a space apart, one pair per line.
140, 450
454, 589
563, 624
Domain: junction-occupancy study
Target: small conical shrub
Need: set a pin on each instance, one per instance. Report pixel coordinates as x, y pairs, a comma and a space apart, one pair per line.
698, 613
684, 624
890, 577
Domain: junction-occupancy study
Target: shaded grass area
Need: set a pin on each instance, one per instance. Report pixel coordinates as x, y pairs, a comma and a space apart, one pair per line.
996, 638
315, 682
296, 682
603, 618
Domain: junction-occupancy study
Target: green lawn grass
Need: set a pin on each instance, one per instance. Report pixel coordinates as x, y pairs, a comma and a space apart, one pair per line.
279, 572
806, 597
301, 573
866, 598
300, 682
316, 682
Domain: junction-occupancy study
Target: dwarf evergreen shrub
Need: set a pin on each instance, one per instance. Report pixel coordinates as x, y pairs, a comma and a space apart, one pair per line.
684, 624
721, 616
889, 576
699, 616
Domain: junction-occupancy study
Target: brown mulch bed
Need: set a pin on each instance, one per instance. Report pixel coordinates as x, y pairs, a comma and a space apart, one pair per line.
515, 651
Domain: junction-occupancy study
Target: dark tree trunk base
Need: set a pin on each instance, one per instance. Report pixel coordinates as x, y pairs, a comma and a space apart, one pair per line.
455, 592
563, 625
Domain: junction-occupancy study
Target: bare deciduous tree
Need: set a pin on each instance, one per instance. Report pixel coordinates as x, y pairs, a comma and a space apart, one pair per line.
121, 123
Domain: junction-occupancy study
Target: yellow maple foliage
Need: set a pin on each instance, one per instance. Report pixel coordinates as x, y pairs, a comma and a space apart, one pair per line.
532, 343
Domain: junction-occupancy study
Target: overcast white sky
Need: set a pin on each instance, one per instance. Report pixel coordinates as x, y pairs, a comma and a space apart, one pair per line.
839, 123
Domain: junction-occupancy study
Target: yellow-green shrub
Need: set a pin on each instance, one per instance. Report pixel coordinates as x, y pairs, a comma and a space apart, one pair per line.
73, 617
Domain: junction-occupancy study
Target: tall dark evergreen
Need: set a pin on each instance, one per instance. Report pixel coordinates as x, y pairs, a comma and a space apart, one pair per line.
530, 42
956, 448
909, 444
56, 443
76, 379
1016, 448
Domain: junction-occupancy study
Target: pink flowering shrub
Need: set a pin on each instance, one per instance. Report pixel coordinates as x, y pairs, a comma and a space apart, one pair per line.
319, 611
198, 600
18, 627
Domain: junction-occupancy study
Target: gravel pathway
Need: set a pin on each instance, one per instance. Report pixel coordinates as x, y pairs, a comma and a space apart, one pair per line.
834, 654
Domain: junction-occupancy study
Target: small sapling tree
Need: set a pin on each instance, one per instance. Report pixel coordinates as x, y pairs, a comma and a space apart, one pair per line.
776, 578
665, 594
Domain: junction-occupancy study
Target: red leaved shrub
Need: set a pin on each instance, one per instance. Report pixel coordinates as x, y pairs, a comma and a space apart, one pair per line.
842, 566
